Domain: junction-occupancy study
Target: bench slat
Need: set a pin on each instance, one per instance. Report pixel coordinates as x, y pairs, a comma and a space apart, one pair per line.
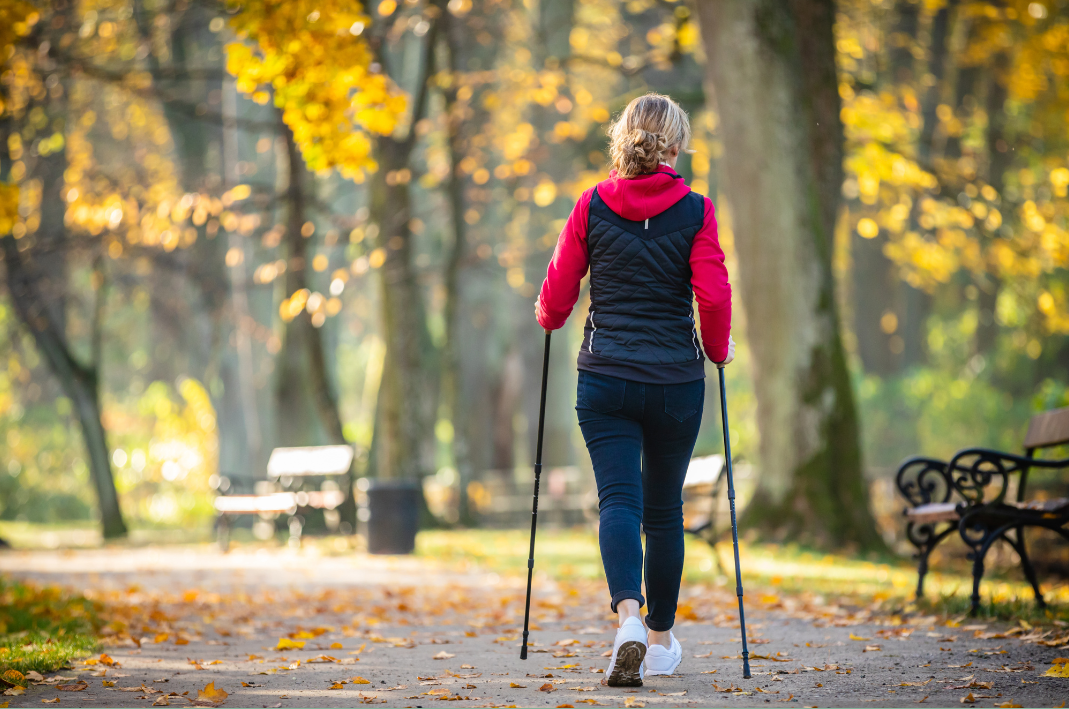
252, 504
933, 512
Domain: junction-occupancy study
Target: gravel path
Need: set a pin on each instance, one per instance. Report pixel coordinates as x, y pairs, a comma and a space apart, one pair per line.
289, 629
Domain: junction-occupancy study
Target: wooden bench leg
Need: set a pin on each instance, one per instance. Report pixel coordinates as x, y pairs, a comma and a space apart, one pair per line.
222, 533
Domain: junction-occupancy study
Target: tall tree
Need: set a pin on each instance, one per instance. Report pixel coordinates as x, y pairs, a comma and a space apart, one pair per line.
36, 261
772, 64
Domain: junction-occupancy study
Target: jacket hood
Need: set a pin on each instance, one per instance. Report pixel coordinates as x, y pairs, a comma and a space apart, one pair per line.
639, 198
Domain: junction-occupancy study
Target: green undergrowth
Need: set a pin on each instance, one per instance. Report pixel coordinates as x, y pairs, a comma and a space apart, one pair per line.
43, 628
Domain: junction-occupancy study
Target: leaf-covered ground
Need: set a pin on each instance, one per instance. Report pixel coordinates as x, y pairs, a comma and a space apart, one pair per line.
270, 627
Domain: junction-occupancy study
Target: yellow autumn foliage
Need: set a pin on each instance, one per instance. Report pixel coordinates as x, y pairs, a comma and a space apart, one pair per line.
312, 58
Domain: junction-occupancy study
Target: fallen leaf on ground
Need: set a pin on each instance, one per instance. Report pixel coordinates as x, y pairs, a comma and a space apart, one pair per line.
858, 637
338, 685
1060, 670
467, 667
789, 698
14, 678
3, 705
76, 687
287, 644
359, 680
632, 702
161, 701
443, 655
212, 694
322, 658
14, 691
1008, 704
107, 682
921, 700
336, 646
517, 686
547, 687
35, 676
50, 701
161, 638
565, 706
872, 648
583, 689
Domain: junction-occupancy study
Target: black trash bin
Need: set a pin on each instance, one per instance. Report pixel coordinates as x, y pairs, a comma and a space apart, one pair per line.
393, 516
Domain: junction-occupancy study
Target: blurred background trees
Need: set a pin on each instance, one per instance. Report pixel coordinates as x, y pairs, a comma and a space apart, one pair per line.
230, 226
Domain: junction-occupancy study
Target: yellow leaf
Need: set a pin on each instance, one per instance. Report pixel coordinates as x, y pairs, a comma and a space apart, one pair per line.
161, 638
14, 678
108, 682
968, 699
359, 680
858, 637
3, 706
632, 702
287, 644
517, 686
547, 687
211, 694
336, 646
181, 641
304, 634
50, 701
443, 655
1009, 705
1061, 670
337, 685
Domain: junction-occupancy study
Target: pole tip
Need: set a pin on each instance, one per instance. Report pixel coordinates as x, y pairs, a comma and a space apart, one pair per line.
746, 669
523, 652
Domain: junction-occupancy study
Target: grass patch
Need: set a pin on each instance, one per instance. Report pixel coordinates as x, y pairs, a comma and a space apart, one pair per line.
43, 628
886, 581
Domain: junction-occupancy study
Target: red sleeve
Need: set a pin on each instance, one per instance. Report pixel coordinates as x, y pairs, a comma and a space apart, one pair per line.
709, 277
569, 264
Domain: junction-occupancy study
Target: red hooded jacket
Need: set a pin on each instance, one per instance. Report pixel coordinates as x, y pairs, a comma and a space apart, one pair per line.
637, 199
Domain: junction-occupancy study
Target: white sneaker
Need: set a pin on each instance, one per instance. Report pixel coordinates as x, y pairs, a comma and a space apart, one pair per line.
661, 660
628, 651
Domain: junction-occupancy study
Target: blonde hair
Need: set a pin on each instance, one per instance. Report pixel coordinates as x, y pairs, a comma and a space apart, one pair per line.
644, 133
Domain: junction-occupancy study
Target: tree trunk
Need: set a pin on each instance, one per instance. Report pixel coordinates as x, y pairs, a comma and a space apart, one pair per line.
79, 382
452, 35
410, 404
305, 393
773, 67
999, 160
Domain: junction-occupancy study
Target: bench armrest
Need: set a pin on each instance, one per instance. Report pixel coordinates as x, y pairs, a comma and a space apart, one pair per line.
974, 469
924, 480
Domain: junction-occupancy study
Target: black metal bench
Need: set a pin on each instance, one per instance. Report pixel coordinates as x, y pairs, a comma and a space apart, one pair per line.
971, 494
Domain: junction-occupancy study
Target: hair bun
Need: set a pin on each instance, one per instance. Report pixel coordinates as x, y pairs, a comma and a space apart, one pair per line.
643, 150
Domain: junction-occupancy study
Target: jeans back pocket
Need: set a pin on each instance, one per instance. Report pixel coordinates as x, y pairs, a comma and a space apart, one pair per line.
600, 392
681, 401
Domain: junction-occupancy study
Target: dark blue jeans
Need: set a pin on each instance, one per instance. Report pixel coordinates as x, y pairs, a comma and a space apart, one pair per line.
640, 438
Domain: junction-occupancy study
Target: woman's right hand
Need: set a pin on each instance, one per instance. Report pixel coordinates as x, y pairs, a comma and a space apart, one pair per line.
731, 354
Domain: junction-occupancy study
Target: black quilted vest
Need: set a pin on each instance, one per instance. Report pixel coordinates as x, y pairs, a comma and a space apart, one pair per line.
641, 321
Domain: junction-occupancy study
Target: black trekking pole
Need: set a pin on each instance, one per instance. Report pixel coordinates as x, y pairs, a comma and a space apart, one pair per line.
534, 509
734, 525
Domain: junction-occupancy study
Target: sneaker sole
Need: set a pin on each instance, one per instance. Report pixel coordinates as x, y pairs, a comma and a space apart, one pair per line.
627, 670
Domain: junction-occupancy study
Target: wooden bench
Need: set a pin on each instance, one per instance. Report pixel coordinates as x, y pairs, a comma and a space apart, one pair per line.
971, 494
290, 469
701, 496
267, 505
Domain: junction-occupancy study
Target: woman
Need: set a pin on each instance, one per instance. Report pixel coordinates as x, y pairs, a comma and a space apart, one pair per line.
651, 247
